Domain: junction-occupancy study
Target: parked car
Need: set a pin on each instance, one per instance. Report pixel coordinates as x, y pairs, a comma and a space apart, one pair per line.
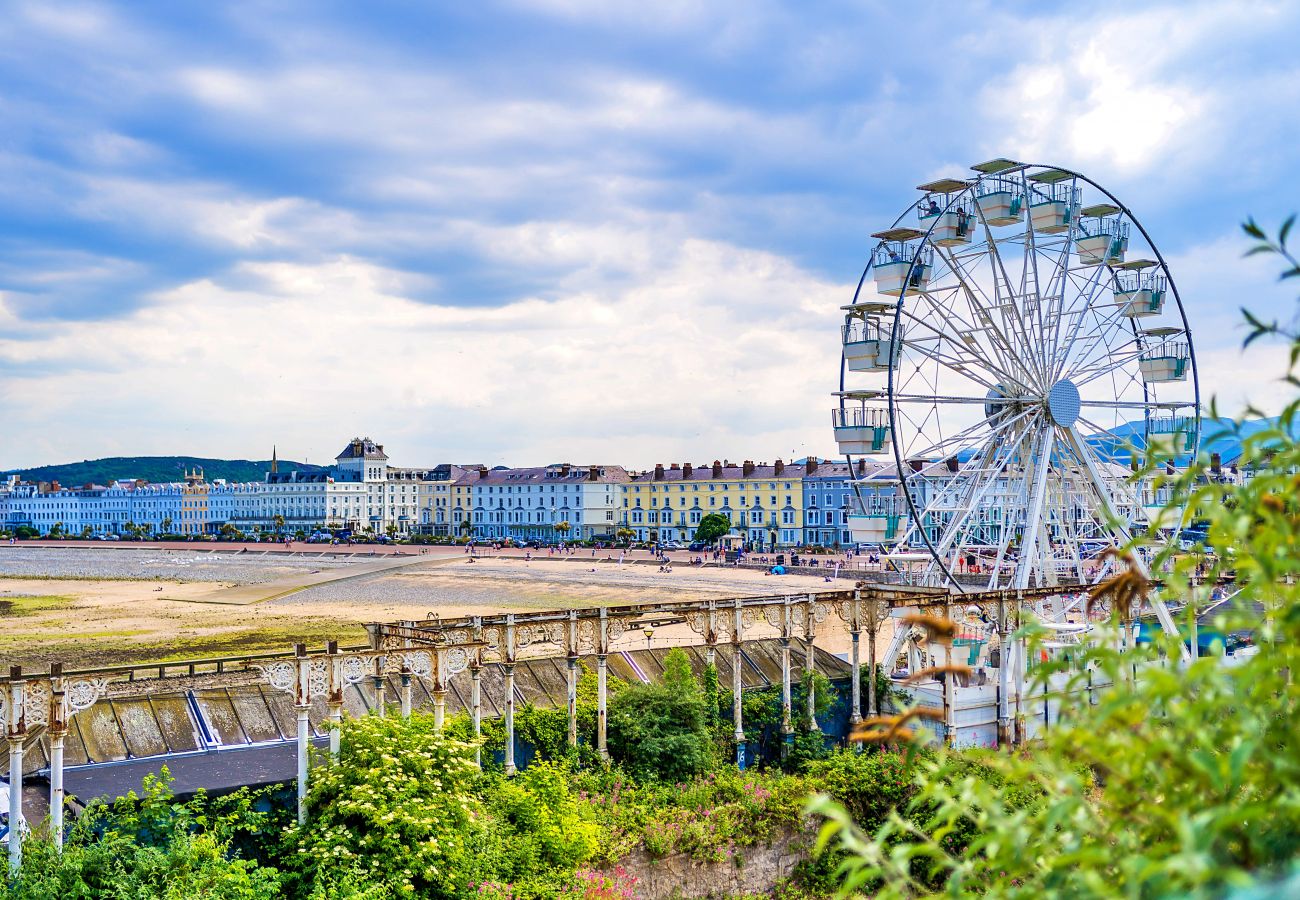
697, 546
671, 545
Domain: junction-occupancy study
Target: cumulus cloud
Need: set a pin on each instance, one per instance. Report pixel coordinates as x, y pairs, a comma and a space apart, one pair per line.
708, 350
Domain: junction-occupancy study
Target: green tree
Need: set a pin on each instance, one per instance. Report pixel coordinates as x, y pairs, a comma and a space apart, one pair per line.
1179, 782
87, 532
563, 528
661, 730
712, 527
278, 521
624, 534
167, 524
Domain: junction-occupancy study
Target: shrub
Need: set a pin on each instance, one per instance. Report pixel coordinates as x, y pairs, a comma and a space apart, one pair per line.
659, 730
397, 809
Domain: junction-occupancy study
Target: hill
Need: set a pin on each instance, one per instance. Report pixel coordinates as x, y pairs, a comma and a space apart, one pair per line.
154, 468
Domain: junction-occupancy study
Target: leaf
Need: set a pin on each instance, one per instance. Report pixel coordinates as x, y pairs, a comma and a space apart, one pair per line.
1285, 229
1252, 229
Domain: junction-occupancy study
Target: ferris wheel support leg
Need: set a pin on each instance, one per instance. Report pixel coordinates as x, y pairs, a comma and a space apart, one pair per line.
1034, 520
1004, 676
1103, 494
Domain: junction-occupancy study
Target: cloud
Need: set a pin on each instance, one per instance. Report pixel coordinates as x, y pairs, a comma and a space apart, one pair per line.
325, 350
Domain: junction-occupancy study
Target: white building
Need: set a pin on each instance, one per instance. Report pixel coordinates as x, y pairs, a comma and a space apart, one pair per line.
536, 503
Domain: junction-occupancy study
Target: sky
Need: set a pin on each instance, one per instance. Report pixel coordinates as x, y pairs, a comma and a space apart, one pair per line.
566, 230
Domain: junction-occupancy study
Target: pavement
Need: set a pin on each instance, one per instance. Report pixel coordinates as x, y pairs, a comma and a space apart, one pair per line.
248, 594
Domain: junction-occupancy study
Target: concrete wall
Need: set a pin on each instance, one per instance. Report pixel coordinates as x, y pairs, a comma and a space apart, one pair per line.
754, 870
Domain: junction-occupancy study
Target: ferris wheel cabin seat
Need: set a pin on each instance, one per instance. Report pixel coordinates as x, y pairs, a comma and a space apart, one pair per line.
1001, 202
1167, 361
861, 430
1169, 436
1053, 201
900, 262
949, 222
1138, 292
869, 345
1103, 237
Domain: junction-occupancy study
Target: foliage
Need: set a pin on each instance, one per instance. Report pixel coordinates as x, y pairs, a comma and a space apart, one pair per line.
148, 847
709, 818
397, 809
660, 730
712, 527
763, 715
154, 469
1181, 780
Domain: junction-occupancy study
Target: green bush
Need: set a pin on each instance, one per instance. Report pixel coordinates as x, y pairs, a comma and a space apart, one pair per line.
660, 730
397, 809
146, 847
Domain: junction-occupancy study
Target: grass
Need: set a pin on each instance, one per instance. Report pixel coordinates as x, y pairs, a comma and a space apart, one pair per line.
30, 604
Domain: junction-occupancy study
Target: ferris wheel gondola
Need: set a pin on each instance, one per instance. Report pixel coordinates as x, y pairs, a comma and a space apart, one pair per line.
1003, 342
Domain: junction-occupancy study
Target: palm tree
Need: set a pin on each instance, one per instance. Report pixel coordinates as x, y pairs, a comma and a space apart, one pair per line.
563, 528
167, 524
279, 523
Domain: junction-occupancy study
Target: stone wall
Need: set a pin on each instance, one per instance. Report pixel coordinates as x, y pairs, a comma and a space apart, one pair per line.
754, 870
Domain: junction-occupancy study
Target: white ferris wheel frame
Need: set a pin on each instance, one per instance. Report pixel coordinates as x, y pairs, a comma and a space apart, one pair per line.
1036, 437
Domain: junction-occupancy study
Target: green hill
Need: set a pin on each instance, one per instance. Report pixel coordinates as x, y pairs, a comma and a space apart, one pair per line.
154, 468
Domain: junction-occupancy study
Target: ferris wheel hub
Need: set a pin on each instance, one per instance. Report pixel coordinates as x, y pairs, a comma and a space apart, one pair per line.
1063, 403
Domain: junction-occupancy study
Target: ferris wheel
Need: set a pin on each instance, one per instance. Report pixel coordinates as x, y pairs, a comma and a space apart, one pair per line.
1011, 334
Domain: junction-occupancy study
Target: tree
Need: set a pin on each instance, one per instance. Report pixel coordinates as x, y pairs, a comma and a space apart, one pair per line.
624, 534
86, 532
167, 524
390, 529
228, 531
661, 730
563, 528
279, 523
1178, 782
465, 525
712, 527
56, 530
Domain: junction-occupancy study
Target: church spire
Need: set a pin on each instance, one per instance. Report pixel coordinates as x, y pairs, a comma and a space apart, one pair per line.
275, 463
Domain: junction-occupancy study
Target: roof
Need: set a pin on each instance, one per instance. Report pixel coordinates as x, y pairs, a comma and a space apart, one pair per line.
557, 473
219, 738
362, 448
730, 471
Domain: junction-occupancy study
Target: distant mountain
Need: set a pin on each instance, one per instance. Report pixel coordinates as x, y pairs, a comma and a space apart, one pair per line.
154, 469
1221, 436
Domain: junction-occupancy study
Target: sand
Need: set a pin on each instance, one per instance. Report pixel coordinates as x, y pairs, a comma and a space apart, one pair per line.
112, 621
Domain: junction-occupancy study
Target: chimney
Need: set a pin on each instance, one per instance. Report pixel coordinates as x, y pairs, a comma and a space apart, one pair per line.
862, 467
810, 465
717, 469
952, 463
659, 471
1216, 463
779, 466
916, 464
675, 467
592, 474
482, 471
687, 468
748, 468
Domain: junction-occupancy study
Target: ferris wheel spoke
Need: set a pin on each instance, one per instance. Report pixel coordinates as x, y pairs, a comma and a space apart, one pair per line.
959, 365
967, 435
1099, 337
1102, 369
1087, 292
1005, 348
971, 500
959, 327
